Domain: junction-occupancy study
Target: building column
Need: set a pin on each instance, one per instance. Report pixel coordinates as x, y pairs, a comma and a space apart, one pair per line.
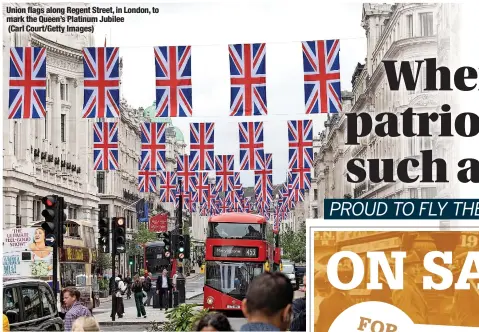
26, 208
55, 119
10, 207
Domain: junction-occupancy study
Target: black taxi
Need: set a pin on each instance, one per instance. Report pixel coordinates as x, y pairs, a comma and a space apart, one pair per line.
29, 305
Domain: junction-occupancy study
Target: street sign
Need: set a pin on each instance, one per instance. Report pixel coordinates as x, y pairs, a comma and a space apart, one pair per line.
120, 249
167, 254
181, 255
50, 240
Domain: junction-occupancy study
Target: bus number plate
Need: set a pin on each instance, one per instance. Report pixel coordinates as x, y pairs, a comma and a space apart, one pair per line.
234, 251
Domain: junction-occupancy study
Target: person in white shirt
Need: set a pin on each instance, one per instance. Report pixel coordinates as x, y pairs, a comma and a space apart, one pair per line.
120, 289
175, 276
163, 286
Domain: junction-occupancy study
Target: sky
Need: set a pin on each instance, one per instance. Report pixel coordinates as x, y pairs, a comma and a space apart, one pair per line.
209, 26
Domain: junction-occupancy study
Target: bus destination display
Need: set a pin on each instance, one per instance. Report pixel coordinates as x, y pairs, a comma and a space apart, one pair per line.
235, 251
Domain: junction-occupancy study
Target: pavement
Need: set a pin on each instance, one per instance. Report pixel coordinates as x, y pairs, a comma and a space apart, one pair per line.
194, 289
194, 294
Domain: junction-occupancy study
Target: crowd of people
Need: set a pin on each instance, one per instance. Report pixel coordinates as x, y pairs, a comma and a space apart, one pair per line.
269, 305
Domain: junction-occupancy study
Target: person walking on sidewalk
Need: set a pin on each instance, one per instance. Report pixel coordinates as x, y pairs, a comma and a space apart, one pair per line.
139, 295
120, 290
71, 297
163, 286
148, 289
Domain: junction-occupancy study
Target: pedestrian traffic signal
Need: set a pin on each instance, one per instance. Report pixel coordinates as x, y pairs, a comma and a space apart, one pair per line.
119, 235
167, 243
104, 232
50, 213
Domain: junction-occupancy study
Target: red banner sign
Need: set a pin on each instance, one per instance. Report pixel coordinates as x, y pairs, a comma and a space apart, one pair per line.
159, 223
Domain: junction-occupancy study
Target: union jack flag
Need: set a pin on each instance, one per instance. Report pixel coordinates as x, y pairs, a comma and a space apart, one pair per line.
203, 187
147, 181
202, 139
224, 172
167, 186
105, 146
153, 146
247, 205
101, 94
173, 81
322, 86
301, 178
248, 79
28, 80
189, 203
223, 206
264, 179
185, 173
300, 136
251, 143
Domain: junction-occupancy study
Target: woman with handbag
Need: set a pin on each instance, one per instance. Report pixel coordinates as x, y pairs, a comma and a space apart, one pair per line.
139, 295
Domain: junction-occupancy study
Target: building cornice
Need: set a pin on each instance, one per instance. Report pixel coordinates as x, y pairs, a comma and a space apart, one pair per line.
55, 47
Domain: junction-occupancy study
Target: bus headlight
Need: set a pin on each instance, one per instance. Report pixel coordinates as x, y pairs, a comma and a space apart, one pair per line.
210, 300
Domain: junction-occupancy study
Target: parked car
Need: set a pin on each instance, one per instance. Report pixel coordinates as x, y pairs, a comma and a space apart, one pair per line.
299, 271
288, 270
29, 305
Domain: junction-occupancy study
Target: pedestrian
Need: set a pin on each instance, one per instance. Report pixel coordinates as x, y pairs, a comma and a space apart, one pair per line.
75, 309
120, 290
175, 276
214, 321
268, 302
128, 283
6, 323
298, 322
147, 287
85, 324
410, 299
139, 295
163, 287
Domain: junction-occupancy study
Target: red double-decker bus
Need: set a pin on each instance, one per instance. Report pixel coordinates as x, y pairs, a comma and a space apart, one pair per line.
239, 247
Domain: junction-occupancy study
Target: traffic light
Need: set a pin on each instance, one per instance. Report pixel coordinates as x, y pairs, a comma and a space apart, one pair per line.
167, 243
130, 260
180, 247
119, 237
51, 218
187, 247
63, 219
104, 231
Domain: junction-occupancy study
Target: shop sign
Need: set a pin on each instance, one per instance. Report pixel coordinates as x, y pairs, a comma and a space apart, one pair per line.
75, 254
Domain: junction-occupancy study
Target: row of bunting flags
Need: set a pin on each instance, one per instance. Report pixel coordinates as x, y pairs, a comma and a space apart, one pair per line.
27, 100
173, 80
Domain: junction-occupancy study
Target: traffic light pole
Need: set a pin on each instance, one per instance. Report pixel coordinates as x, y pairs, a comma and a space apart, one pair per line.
113, 254
56, 246
180, 280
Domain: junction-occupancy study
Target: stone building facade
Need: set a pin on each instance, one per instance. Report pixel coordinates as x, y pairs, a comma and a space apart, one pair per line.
406, 32
51, 155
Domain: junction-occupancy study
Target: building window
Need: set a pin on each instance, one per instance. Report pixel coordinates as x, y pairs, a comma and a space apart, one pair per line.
64, 92
100, 182
49, 88
426, 20
410, 26
316, 214
62, 127
15, 129
103, 210
46, 125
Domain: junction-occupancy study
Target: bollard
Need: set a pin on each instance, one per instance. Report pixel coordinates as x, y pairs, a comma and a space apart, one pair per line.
175, 298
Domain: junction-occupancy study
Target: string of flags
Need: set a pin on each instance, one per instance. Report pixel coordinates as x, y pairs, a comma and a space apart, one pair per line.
173, 82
